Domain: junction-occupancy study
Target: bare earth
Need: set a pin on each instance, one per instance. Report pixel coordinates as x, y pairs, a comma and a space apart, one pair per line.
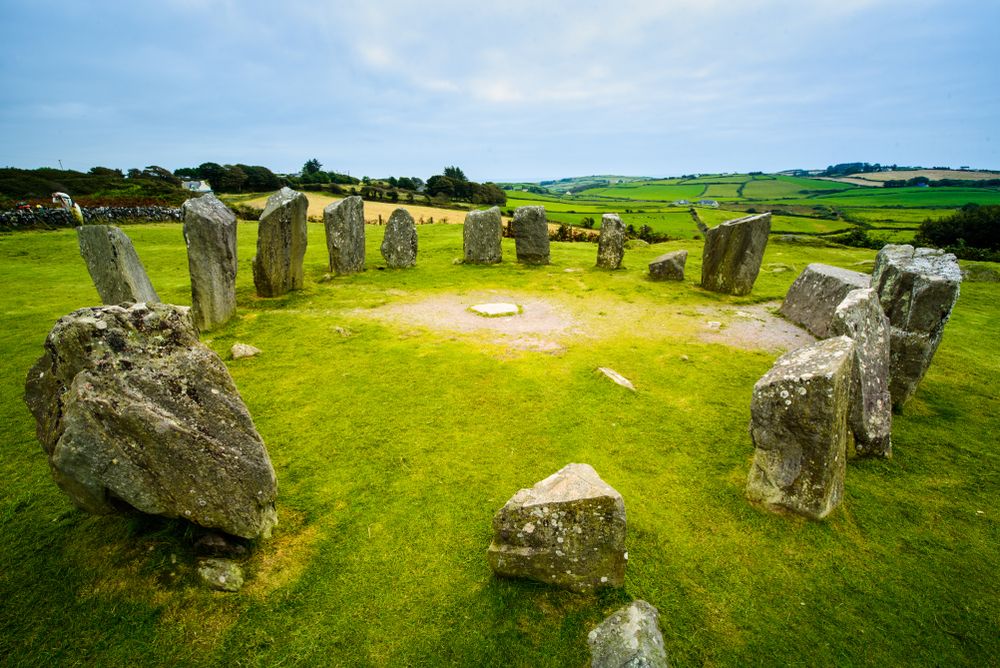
551, 325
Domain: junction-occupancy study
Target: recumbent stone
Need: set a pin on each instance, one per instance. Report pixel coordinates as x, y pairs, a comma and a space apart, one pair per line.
669, 266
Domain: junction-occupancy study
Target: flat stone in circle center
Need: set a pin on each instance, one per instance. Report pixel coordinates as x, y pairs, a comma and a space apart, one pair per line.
495, 309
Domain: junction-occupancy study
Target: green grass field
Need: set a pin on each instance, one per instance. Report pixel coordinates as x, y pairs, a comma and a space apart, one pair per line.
395, 445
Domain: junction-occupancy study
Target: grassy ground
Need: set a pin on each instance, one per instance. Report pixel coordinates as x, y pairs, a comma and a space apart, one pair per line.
395, 445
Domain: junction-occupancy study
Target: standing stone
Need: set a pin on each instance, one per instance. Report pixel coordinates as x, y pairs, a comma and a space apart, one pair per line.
281, 244
481, 236
531, 235
345, 235
798, 423
733, 253
611, 245
114, 266
210, 235
669, 266
815, 294
628, 638
567, 530
132, 409
860, 317
399, 245
917, 288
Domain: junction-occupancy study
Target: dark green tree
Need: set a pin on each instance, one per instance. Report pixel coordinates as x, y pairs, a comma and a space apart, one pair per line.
312, 166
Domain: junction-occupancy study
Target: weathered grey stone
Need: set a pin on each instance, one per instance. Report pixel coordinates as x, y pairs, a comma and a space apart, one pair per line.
531, 234
399, 245
798, 423
221, 574
733, 253
669, 266
629, 638
345, 235
481, 236
567, 530
114, 266
917, 288
815, 294
611, 245
131, 407
860, 317
210, 235
241, 350
281, 244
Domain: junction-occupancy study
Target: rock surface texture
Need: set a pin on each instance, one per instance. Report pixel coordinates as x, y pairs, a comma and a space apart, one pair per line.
815, 294
733, 253
567, 530
210, 235
399, 245
131, 408
611, 245
860, 317
531, 234
481, 236
344, 222
281, 244
669, 266
221, 574
798, 423
917, 288
114, 266
628, 638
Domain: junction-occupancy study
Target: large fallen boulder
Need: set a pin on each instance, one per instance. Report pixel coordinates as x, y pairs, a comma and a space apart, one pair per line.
917, 288
567, 530
733, 252
132, 410
114, 265
860, 317
611, 244
531, 234
628, 638
282, 237
815, 294
481, 236
399, 244
210, 236
798, 423
344, 222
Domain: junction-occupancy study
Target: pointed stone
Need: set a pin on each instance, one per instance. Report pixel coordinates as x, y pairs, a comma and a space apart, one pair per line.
611, 245
531, 235
399, 245
210, 236
815, 294
481, 236
733, 253
344, 222
798, 424
282, 237
114, 265
567, 530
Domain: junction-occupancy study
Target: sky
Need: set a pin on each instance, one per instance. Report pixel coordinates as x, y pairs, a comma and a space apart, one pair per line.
507, 91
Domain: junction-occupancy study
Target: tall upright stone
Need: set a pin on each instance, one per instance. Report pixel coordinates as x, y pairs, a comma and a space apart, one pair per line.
114, 265
733, 253
611, 245
131, 408
798, 424
860, 317
481, 236
815, 294
531, 235
282, 236
210, 236
345, 235
567, 530
399, 244
918, 289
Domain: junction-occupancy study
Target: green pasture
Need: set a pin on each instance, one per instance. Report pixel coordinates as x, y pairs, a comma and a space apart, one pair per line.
654, 192
395, 444
910, 197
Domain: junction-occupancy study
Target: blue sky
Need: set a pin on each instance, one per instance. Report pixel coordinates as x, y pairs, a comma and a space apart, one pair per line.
512, 90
